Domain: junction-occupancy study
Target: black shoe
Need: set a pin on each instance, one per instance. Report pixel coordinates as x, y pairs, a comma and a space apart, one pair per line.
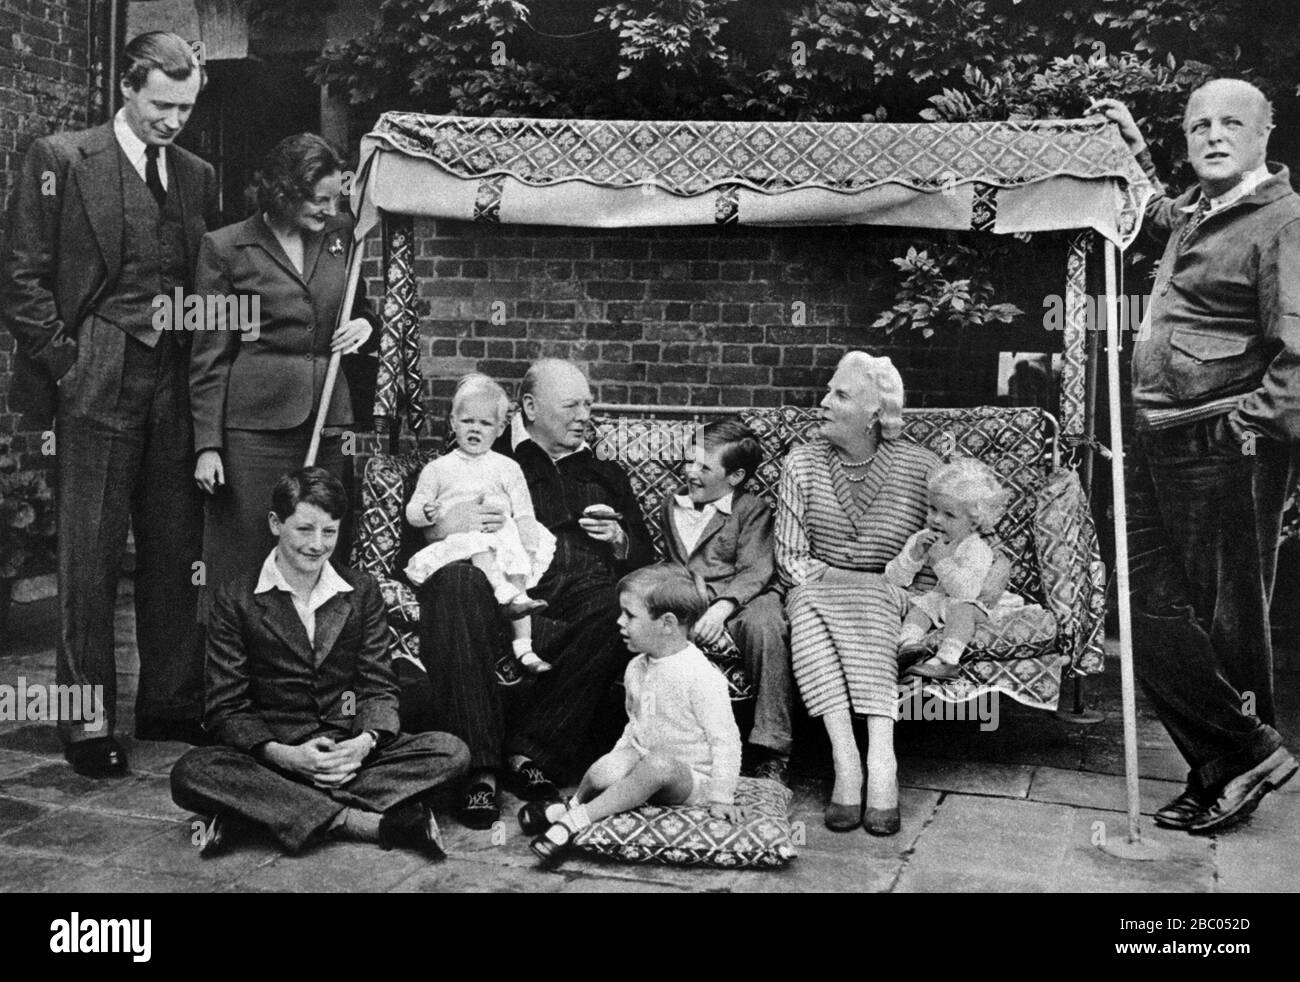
774, 768
158, 728
411, 825
532, 817
881, 821
1243, 793
213, 841
552, 844
480, 809
101, 757
530, 782
1182, 811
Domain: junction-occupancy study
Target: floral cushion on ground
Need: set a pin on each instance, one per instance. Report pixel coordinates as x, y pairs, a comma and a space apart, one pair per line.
682, 835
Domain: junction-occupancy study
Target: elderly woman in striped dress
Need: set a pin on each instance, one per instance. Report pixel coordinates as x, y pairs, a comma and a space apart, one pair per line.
848, 503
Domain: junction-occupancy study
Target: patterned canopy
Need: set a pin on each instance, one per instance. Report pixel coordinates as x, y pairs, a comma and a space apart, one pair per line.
1002, 177
1028, 176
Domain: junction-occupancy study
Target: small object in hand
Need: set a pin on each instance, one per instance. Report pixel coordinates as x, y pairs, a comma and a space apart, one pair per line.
602, 513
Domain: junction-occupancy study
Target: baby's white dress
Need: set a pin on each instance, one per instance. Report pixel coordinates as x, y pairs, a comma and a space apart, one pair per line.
459, 476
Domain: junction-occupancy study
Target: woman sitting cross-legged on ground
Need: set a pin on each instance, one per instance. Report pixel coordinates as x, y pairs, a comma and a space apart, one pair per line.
681, 745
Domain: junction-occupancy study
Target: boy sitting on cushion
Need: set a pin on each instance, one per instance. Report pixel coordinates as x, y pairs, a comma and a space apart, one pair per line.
723, 535
681, 745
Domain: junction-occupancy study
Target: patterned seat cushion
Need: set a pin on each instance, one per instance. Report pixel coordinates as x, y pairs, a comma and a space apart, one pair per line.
1026, 632
688, 836
1046, 532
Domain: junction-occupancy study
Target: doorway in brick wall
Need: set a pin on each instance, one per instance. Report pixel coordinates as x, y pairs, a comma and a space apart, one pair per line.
249, 105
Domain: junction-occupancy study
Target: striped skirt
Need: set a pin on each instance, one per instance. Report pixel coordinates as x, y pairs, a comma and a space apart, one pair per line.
844, 645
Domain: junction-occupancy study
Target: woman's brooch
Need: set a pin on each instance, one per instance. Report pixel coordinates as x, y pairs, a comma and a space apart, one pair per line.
336, 246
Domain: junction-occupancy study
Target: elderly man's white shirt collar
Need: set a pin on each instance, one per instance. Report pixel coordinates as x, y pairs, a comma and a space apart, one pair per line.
330, 583
722, 505
519, 433
134, 148
1248, 184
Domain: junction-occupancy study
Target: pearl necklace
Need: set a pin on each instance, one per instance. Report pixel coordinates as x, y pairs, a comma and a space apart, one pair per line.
848, 465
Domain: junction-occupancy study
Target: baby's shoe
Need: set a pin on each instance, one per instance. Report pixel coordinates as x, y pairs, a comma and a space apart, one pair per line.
523, 605
532, 664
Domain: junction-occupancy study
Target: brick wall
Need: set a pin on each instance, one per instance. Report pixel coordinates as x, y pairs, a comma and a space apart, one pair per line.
44, 88
700, 316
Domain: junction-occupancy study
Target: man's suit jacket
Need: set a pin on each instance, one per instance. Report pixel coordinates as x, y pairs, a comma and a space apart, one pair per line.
265, 681
734, 555
64, 248
275, 381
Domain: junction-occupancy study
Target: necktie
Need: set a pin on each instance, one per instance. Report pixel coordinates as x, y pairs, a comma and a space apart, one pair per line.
151, 177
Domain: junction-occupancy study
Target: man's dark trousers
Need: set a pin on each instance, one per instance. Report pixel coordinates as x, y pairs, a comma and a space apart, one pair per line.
226, 780
1204, 517
461, 638
124, 443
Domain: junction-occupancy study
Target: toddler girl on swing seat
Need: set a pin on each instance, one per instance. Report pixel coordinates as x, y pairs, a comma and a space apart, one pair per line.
966, 501
514, 557
681, 745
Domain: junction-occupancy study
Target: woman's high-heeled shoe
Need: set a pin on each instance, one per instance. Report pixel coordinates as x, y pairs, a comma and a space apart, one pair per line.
842, 818
881, 821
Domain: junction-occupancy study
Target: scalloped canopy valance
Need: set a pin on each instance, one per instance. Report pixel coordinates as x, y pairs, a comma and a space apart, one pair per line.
1000, 177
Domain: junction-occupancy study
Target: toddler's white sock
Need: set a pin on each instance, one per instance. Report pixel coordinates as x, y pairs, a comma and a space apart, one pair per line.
950, 651
910, 634
575, 819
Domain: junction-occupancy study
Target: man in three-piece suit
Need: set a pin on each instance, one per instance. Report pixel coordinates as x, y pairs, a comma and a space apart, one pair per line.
302, 699
101, 222
723, 535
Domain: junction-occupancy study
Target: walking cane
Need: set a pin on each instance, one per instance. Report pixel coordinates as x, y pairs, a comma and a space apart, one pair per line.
332, 372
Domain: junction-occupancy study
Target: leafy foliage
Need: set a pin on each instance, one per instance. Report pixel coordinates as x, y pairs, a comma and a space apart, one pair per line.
934, 293
27, 519
898, 60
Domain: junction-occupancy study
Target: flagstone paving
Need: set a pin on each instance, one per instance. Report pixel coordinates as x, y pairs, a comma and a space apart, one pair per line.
1020, 808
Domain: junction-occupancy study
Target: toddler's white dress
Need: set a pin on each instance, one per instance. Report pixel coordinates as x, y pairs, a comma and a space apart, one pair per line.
457, 477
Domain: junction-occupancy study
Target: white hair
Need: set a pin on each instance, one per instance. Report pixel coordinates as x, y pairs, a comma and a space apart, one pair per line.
973, 485
888, 385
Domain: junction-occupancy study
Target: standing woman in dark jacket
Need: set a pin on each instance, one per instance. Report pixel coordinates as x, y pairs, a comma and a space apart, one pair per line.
256, 380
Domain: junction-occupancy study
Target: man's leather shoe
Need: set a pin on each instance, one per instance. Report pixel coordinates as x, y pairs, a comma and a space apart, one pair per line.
412, 826
530, 782
101, 757
480, 809
1182, 811
213, 837
774, 768
158, 728
1243, 793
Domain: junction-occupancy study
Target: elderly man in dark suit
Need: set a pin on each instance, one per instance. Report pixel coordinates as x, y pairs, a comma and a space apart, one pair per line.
589, 506
723, 535
302, 698
103, 222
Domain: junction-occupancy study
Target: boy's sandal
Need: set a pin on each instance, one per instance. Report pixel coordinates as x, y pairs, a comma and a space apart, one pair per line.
935, 669
532, 817
547, 846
